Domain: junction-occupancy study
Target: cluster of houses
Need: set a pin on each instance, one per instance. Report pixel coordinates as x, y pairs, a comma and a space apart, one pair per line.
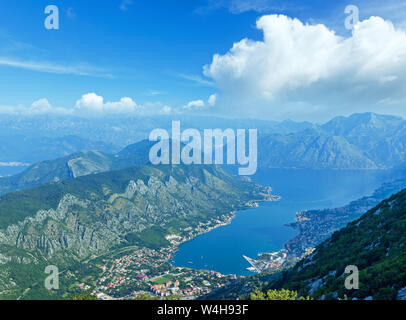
163, 289
84, 286
215, 273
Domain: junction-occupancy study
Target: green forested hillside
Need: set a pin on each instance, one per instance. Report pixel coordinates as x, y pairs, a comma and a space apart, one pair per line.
76, 165
64, 223
375, 243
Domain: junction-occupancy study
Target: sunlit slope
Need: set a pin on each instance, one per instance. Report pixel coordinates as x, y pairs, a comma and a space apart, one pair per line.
65, 222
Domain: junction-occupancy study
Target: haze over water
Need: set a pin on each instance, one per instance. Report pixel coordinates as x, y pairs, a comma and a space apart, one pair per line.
262, 229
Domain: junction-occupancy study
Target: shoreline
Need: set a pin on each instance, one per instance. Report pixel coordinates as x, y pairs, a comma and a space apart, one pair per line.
229, 218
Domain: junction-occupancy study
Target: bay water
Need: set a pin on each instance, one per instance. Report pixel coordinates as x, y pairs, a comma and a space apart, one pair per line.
263, 229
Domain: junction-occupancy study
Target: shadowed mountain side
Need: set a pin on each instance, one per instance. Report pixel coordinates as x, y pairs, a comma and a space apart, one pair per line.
75, 165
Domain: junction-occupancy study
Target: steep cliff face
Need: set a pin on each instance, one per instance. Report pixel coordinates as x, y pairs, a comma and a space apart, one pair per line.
69, 221
60, 231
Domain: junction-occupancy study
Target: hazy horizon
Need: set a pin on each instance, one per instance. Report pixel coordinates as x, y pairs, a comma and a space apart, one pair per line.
151, 62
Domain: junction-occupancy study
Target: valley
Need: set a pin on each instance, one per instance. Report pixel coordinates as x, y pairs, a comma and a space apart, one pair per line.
117, 226
203, 150
65, 223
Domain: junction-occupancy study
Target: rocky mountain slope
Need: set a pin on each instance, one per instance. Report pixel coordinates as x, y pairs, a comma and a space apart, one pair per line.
66, 222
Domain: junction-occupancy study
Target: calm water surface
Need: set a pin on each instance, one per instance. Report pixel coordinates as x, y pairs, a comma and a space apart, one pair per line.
262, 229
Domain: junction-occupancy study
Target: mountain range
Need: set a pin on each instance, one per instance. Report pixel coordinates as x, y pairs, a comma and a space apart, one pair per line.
86, 203
360, 141
34, 148
75, 165
63, 223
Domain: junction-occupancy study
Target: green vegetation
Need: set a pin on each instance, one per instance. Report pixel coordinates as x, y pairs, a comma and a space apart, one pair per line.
16, 206
75, 165
282, 294
242, 289
89, 216
83, 296
162, 280
71, 166
153, 238
375, 243
147, 297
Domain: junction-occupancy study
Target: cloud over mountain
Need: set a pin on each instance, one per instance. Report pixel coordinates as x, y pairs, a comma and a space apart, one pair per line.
89, 105
92, 102
200, 105
299, 68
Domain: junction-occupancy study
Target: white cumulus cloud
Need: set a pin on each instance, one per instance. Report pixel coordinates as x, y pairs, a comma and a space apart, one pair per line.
212, 100
200, 105
300, 69
93, 103
89, 104
41, 106
166, 109
195, 104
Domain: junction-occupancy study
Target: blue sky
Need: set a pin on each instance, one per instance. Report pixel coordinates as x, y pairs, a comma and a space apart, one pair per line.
152, 51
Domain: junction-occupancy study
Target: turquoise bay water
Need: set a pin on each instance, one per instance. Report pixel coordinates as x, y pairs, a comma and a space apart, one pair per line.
262, 229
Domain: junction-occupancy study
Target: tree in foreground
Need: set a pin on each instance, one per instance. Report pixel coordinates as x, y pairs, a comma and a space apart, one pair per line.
84, 296
282, 294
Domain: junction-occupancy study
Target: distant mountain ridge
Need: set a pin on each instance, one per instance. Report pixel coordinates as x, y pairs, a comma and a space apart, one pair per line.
360, 141
116, 131
75, 165
33, 148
